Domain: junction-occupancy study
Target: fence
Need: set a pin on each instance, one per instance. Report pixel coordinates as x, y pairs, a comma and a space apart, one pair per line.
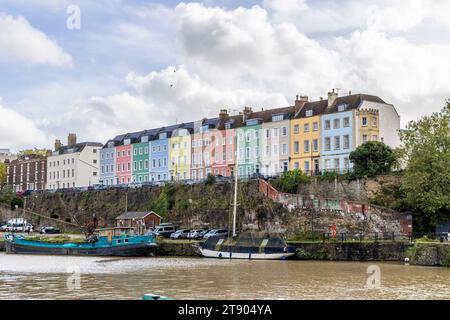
356, 237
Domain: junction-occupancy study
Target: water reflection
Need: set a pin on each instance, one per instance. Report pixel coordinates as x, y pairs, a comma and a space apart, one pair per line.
39, 277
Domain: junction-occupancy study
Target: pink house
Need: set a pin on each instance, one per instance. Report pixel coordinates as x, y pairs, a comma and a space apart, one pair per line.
123, 164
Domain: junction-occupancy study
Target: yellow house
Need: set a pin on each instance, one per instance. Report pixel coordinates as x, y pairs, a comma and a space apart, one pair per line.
180, 154
305, 137
368, 128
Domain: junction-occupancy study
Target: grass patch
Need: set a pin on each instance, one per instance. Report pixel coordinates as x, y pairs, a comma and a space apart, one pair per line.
58, 239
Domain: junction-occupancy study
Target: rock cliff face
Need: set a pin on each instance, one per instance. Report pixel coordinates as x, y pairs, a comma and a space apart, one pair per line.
202, 205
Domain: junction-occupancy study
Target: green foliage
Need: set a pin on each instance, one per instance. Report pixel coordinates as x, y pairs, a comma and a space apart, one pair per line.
290, 181
2, 175
372, 158
7, 196
427, 174
27, 152
328, 176
210, 180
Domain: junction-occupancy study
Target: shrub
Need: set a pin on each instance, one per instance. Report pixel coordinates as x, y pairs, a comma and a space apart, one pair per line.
289, 182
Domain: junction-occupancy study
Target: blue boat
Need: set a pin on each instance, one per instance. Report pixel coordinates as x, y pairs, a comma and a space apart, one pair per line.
109, 242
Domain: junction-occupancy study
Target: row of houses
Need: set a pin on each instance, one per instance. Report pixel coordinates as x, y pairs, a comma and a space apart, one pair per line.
312, 136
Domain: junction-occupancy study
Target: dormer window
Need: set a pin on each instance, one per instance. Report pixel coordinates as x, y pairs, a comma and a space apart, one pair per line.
342, 107
309, 113
144, 139
127, 141
278, 117
227, 125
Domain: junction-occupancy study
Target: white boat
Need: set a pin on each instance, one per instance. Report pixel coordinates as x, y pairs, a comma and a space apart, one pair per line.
251, 248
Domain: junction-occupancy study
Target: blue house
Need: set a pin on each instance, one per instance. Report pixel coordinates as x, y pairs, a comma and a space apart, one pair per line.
337, 140
107, 163
159, 154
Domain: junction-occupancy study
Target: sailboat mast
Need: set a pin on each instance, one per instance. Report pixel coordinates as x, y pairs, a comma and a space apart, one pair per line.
235, 189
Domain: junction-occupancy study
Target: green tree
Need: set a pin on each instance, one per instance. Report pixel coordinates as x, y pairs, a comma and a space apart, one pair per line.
426, 181
290, 181
372, 158
210, 180
2, 175
27, 152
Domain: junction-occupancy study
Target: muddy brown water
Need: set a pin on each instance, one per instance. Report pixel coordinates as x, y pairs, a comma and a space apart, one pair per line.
55, 277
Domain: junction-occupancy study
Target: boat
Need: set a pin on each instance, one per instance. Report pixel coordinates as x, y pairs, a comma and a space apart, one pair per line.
153, 297
258, 248
246, 246
120, 241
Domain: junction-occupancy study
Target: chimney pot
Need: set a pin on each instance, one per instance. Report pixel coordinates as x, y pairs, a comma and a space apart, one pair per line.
72, 139
58, 145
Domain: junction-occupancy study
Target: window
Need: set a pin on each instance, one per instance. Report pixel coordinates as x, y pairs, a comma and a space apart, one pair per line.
375, 138
307, 166
315, 126
275, 132
336, 164
267, 133
309, 113
135, 151
277, 118
327, 164
284, 150
306, 146
315, 145
296, 128
284, 131
364, 138
374, 122
364, 121
337, 143
327, 144
141, 150
342, 107
346, 164
296, 166
135, 165
327, 125
346, 141
346, 122
268, 151
296, 147
306, 127
336, 123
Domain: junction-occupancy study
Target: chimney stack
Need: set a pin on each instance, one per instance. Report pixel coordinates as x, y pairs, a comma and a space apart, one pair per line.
72, 139
300, 101
332, 96
223, 114
58, 145
246, 113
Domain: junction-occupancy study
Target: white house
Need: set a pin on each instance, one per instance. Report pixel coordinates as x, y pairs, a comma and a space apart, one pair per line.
75, 165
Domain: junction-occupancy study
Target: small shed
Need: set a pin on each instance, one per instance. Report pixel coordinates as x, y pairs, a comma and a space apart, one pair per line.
149, 219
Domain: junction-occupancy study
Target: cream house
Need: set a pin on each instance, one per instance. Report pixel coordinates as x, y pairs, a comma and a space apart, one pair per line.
75, 165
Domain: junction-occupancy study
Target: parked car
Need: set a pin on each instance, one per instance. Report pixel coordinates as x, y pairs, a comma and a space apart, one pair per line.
189, 182
165, 230
11, 227
49, 230
216, 233
198, 234
180, 234
3, 228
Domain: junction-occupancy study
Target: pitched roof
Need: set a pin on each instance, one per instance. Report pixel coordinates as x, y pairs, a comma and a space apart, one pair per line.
79, 147
135, 215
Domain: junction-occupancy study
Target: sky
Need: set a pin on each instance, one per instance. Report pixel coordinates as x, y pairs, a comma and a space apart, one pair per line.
134, 65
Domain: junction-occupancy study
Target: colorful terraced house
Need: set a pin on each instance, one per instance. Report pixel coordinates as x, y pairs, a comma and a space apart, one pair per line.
311, 136
180, 152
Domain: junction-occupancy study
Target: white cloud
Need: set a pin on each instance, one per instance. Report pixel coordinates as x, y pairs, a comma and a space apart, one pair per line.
19, 40
17, 131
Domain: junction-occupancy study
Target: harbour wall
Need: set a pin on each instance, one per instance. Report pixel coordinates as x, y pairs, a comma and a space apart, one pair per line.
423, 254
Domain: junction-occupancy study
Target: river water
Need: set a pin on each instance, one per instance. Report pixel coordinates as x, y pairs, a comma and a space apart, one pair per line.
54, 277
